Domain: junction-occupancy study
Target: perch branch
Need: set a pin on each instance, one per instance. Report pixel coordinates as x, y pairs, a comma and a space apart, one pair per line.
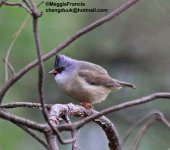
124, 105
155, 96
58, 110
79, 124
67, 42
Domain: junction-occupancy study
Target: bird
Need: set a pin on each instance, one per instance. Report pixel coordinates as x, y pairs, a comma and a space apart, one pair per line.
84, 81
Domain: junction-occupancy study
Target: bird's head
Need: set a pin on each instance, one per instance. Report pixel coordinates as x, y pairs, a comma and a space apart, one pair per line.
62, 64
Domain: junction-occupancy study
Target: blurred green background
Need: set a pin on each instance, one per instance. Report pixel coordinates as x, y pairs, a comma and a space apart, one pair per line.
133, 47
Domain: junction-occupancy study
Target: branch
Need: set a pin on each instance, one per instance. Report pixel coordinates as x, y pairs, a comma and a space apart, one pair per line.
22, 121
141, 120
51, 140
35, 16
16, 35
135, 102
118, 107
140, 135
58, 110
67, 42
33, 135
8, 66
25, 105
154, 117
110, 131
6, 3
74, 133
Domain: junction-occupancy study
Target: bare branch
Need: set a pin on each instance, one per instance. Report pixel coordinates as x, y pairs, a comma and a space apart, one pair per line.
35, 16
5, 2
25, 105
33, 135
22, 121
58, 110
110, 131
16, 35
75, 145
140, 135
67, 42
74, 133
139, 122
149, 119
124, 105
9, 66
51, 140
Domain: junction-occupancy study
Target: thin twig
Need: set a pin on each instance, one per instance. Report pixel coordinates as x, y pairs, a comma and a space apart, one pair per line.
16, 35
140, 134
159, 117
67, 42
33, 135
35, 15
153, 116
140, 121
74, 133
10, 67
5, 2
25, 105
27, 5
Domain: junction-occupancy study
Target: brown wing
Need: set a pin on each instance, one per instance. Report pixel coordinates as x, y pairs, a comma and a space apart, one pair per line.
90, 66
98, 79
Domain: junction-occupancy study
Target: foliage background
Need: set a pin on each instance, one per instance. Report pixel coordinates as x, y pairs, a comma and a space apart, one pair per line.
134, 47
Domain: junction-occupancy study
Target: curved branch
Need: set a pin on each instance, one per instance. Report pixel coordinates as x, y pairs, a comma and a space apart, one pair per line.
118, 107
67, 42
153, 118
110, 131
58, 110
124, 105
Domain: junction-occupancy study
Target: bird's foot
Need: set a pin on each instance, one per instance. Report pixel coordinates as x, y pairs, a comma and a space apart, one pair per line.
87, 105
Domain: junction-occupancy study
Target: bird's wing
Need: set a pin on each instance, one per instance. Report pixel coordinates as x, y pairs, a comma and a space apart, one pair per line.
91, 67
98, 79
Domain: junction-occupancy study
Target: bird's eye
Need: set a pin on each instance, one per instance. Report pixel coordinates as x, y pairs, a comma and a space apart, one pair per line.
59, 69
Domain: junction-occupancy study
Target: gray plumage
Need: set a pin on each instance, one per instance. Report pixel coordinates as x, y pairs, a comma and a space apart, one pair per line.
85, 81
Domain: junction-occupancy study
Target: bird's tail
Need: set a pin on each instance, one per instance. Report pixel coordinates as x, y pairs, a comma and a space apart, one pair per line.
125, 84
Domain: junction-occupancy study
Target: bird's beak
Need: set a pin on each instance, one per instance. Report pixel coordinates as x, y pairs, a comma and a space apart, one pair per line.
53, 72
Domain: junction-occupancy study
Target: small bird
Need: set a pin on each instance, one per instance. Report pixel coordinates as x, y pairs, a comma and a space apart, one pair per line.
84, 81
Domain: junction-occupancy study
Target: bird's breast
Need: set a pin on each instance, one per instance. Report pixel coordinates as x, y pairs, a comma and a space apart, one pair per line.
77, 88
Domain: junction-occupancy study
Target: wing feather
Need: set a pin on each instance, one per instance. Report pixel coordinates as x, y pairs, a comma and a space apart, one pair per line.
98, 79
